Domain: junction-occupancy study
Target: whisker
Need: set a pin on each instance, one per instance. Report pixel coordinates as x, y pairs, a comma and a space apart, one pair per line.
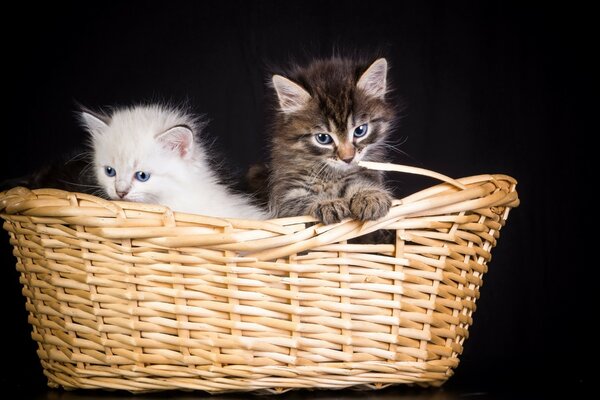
79, 156
79, 184
100, 193
394, 146
85, 170
318, 170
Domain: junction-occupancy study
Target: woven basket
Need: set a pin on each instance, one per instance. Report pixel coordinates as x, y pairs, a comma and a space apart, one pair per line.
133, 296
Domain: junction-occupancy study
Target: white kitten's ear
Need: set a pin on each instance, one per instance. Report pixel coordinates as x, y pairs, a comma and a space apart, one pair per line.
292, 97
373, 80
93, 123
179, 139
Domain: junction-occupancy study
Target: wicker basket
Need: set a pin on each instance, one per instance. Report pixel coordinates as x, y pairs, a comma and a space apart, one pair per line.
132, 296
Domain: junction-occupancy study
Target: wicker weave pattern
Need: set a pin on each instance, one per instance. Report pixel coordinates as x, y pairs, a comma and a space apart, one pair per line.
132, 296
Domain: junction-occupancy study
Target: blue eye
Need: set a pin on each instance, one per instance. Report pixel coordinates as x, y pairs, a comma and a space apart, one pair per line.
142, 176
323, 138
110, 171
361, 131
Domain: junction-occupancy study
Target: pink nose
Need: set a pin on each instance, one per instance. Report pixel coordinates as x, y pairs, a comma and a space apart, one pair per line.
346, 152
122, 194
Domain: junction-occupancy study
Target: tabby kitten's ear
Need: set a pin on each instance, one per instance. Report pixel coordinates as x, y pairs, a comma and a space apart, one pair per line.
292, 97
179, 139
373, 80
93, 123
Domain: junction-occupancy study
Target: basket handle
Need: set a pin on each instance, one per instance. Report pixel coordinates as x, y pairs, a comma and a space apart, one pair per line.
410, 170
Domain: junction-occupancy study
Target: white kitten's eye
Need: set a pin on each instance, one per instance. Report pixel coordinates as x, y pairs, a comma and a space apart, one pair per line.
142, 176
361, 131
110, 171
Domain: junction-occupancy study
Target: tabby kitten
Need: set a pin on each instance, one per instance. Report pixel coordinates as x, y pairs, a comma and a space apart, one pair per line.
332, 114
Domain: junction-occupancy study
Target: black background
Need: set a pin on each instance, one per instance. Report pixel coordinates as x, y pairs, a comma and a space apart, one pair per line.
488, 87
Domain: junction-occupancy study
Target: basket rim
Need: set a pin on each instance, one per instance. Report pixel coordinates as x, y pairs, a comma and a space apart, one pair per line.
490, 195
13, 201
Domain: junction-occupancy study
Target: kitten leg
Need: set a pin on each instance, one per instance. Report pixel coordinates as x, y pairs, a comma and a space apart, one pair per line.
299, 201
330, 211
370, 204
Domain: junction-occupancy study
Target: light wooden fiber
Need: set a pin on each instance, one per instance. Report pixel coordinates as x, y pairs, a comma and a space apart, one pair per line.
132, 296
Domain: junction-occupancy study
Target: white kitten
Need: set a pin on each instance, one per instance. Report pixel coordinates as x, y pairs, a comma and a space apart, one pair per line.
152, 154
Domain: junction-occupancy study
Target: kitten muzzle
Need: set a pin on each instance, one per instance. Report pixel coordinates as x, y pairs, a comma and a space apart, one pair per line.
346, 153
122, 189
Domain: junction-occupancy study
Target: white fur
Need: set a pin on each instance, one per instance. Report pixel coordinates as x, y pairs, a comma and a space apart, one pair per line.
159, 140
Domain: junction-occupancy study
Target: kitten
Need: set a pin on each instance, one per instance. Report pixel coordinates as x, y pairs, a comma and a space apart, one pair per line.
153, 154
331, 115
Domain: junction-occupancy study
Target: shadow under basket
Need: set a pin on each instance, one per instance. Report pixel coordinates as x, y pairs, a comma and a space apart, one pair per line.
135, 297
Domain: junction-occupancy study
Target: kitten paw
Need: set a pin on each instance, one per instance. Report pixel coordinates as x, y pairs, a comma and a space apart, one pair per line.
370, 204
330, 211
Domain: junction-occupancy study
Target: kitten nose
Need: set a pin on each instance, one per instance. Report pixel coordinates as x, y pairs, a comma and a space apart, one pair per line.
346, 152
122, 188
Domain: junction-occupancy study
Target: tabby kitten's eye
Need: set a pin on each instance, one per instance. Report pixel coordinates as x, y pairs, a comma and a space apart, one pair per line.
361, 131
110, 171
323, 138
142, 176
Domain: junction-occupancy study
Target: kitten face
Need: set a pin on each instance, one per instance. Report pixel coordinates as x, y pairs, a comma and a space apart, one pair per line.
139, 154
340, 147
137, 176
333, 112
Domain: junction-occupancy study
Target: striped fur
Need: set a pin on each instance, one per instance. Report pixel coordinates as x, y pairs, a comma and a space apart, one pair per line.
333, 97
